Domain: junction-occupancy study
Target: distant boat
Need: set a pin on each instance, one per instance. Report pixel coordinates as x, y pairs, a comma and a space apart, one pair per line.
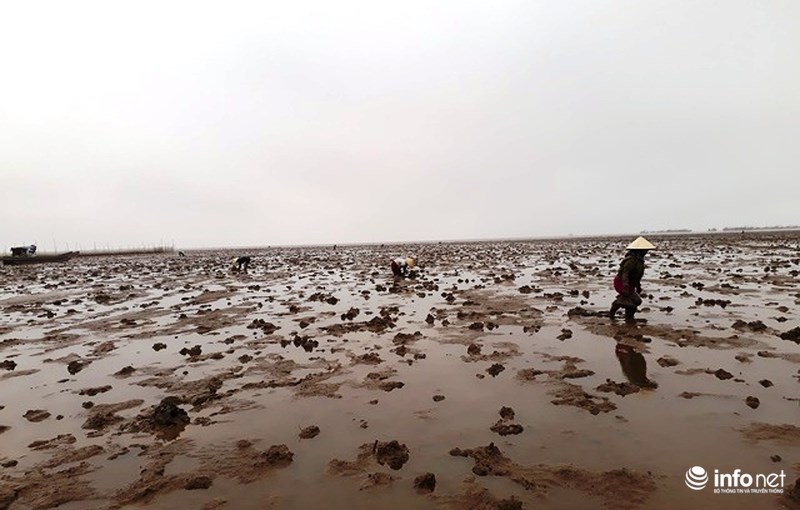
20, 260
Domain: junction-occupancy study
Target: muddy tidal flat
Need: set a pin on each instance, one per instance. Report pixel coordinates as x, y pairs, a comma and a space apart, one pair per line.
491, 380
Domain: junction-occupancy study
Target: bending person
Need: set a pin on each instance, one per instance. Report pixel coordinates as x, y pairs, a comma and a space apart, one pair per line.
401, 267
628, 282
241, 263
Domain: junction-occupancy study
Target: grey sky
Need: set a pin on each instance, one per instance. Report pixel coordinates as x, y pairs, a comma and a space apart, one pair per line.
235, 124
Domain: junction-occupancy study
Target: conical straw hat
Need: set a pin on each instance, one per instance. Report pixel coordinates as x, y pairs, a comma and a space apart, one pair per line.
411, 262
641, 244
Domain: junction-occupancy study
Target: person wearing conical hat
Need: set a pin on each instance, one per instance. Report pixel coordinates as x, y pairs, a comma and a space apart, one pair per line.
401, 266
628, 282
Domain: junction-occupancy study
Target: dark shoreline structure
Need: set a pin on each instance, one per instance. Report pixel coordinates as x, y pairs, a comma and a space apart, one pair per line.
670, 231
750, 229
37, 259
48, 258
110, 253
777, 228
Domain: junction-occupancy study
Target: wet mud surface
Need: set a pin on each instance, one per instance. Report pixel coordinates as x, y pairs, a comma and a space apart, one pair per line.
492, 379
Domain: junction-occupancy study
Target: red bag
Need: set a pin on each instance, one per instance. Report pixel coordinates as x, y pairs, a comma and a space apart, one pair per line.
618, 284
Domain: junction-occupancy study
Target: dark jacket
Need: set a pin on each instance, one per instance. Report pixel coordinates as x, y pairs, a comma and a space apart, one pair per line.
631, 271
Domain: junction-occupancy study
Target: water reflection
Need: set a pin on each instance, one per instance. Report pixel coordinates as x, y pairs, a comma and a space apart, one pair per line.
633, 366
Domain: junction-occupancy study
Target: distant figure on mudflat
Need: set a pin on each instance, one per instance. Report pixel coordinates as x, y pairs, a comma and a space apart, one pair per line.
401, 267
241, 263
628, 282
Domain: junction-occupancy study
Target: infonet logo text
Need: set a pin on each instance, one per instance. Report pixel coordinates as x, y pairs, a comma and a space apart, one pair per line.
736, 482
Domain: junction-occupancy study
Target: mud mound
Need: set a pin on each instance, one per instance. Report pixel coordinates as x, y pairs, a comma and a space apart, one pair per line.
102, 416
378, 479
166, 420
495, 369
489, 460
370, 358
667, 361
267, 328
240, 462
572, 395
36, 415
392, 454
619, 488
528, 374
198, 482
60, 440
620, 389
506, 429
378, 381
309, 432
475, 497
752, 402
787, 434
425, 484
792, 335
40, 490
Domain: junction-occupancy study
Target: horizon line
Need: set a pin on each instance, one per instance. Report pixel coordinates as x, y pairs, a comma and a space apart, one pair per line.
655, 233
660, 233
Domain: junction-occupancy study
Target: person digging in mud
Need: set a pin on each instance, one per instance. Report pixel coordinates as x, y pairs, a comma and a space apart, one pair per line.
628, 282
402, 267
634, 366
241, 263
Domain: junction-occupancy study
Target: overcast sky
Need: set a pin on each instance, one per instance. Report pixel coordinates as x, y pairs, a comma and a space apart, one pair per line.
249, 124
